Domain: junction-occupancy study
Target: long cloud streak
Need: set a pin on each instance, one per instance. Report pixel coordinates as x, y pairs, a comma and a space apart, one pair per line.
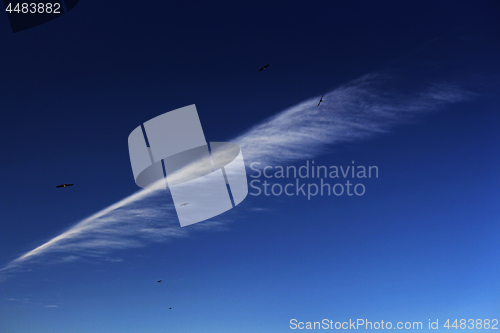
355, 111
351, 112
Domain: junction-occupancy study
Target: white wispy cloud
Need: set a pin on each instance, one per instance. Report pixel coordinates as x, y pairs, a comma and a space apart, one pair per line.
355, 111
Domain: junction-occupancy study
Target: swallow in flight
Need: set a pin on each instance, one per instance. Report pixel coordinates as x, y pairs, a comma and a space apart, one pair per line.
264, 67
160, 281
64, 185
184, 204
321, 100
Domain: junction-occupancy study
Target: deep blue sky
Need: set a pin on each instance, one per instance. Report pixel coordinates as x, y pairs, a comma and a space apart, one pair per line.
421, 244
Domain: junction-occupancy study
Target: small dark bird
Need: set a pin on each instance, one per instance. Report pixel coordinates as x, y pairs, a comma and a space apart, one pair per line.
264, 67
184, 204
170, 308
160, 281
321, 100
64, 185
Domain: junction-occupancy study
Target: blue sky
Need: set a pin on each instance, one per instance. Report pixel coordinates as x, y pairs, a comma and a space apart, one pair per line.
410, 88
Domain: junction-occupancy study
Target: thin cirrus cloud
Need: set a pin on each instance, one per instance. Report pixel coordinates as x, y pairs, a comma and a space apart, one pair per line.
358, 110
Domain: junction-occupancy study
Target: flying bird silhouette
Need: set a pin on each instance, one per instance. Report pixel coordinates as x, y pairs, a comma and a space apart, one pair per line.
321, 100
184, 204
64, 185
264, 67
160, 281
